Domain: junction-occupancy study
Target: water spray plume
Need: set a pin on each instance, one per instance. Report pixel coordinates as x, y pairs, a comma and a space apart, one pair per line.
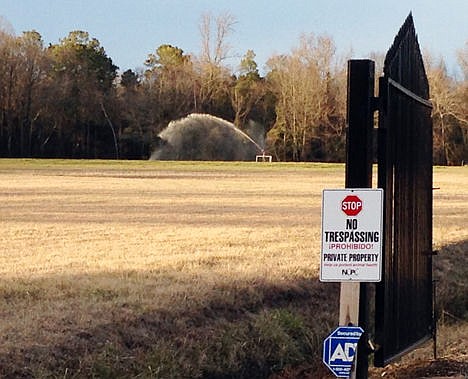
206, 137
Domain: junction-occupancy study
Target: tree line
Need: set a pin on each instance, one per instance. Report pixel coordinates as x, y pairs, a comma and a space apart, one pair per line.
69, 100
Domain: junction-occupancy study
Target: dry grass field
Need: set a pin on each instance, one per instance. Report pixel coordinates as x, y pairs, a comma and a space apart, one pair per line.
151, 269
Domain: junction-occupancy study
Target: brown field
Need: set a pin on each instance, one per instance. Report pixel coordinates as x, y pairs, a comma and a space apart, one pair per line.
150, 269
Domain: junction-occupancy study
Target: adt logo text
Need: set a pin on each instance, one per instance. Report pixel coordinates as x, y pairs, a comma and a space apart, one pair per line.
339, 349
343, 353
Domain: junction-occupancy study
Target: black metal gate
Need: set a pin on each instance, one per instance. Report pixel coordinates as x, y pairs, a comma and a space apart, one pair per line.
404, 307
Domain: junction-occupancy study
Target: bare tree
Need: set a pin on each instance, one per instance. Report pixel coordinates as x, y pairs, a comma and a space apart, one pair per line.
449, 114
213, 76
463, 61
6, 27
304, 83
214, 37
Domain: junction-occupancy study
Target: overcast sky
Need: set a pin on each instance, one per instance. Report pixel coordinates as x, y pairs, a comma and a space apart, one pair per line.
129, 30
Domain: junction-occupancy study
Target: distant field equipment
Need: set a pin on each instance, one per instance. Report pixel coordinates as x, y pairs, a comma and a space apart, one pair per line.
263, 158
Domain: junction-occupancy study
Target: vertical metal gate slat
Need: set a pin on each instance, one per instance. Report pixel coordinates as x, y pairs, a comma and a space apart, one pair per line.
404, 297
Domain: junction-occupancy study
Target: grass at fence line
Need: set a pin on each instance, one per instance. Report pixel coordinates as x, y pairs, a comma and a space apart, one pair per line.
140, 165
176, 269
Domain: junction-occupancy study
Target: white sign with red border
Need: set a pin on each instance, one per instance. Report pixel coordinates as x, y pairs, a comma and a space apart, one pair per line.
352, 231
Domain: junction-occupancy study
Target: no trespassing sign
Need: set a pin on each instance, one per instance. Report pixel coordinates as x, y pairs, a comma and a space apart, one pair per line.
352, 228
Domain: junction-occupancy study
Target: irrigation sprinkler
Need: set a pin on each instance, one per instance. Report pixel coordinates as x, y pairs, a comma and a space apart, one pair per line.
263, 157
206, 137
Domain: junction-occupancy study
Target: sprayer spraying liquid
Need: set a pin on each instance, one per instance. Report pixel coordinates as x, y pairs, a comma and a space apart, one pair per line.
206, 137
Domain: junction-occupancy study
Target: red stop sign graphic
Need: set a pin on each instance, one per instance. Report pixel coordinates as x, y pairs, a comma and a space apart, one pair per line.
351, 205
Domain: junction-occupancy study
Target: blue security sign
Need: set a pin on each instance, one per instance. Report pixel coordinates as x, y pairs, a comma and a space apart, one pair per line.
339, 349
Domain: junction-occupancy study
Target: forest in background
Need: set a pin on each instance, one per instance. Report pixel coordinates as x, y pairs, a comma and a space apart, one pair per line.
69, 100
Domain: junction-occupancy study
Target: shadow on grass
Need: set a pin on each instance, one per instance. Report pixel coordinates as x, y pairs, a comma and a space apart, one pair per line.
240, 331
243, 330
450, 272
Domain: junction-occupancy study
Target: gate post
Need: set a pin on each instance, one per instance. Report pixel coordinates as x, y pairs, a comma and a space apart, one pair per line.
359, 159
